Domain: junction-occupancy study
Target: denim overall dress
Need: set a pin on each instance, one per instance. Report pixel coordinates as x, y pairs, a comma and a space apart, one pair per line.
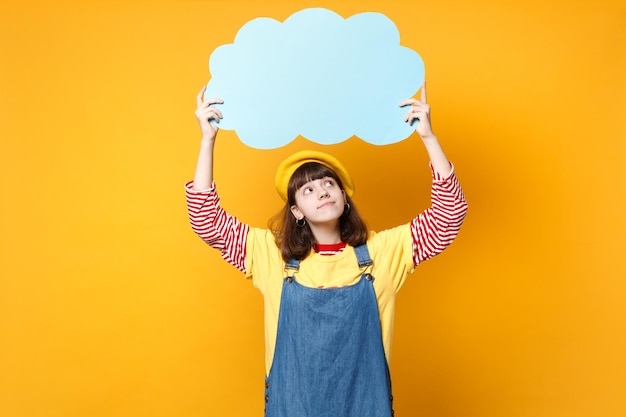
329, 359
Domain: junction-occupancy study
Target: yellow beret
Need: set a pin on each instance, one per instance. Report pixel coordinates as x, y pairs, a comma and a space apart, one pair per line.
288, 167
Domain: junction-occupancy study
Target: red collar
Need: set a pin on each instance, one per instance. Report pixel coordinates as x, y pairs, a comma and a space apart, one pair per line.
333, 247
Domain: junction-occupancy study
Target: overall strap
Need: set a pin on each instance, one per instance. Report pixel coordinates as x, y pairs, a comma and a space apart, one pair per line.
363, 255
293, 264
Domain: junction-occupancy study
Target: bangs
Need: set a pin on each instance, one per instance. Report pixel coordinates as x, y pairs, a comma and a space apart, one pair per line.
309, 171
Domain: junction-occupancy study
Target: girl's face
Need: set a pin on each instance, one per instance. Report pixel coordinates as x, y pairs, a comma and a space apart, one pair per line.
319, 201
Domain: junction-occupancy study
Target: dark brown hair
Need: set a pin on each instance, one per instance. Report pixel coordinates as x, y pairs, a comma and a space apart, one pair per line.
296, 242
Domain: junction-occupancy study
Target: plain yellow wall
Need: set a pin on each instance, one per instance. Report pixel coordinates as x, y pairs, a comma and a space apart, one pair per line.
111, 306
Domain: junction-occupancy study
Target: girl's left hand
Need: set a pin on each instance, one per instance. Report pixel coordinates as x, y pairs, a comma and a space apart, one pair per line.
420, 112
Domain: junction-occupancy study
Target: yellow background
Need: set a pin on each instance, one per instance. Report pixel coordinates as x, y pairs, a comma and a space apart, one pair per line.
111, 306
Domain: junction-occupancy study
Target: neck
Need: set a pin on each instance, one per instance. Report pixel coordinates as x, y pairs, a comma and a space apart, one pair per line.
326, 234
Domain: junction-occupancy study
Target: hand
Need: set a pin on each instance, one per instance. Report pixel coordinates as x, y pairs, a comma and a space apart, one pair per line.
419, 111
205, 113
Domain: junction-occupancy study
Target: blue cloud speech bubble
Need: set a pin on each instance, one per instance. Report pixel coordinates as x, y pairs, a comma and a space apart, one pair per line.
317, 75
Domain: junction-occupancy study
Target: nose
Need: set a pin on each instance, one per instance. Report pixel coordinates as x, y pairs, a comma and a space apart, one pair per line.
324, 193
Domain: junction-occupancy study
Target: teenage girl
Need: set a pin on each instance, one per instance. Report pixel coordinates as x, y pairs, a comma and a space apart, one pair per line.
329, 285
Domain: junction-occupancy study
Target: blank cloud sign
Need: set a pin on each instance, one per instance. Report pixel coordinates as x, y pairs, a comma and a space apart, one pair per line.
317, 75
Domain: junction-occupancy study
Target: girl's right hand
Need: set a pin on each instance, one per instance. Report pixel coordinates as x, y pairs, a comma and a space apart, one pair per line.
205, 113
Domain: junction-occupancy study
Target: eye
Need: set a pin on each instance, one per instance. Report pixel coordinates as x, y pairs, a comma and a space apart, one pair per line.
307, 190
329, 183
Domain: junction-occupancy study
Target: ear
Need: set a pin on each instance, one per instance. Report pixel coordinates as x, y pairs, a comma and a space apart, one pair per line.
345, 199
296, 212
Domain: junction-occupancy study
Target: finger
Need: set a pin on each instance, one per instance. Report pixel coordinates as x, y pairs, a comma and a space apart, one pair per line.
199, 98
423, 95
210, 101
206, 103
418, 115
420, 106
407, 102
216, 114
210, 113
411, 116
412, 111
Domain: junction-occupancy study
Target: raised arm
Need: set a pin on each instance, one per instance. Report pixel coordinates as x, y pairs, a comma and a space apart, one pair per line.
420, 112
205, 113
434, 229
211, 223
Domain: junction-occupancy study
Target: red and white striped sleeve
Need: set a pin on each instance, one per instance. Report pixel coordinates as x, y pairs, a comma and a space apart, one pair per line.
434, 229
215, 226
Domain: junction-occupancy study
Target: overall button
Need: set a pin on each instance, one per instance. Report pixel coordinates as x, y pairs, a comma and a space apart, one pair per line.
369, 277
267, 384
289, 280
267, 398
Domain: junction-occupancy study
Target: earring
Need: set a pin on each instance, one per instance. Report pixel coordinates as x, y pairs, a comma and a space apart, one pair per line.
300, 222
346, 208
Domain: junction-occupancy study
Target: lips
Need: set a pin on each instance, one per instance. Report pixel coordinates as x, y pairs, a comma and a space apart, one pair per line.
326, 204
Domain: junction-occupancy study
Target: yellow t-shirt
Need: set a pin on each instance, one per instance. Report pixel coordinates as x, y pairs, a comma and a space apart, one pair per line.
390, 250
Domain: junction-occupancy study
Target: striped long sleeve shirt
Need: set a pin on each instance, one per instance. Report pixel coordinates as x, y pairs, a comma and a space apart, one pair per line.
432, 231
